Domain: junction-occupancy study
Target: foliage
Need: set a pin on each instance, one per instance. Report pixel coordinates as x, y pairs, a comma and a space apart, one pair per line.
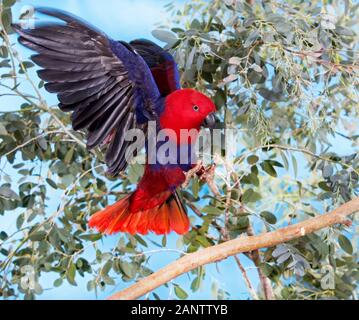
285, 73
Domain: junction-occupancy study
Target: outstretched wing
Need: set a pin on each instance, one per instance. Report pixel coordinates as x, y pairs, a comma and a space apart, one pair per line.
162, 64
105, 83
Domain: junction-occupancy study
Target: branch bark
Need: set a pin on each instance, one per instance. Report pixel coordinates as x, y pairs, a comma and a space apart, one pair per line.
248, 283
236, 246
265, 281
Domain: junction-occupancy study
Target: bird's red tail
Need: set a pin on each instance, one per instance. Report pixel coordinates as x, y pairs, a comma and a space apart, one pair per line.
162, 219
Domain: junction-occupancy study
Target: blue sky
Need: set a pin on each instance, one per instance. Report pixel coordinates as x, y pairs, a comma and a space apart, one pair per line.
125, 19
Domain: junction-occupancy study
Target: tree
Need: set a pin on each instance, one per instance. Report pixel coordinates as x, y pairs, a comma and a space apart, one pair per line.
285, 75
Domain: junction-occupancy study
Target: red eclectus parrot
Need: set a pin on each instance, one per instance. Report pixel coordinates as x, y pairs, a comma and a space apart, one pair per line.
111, 87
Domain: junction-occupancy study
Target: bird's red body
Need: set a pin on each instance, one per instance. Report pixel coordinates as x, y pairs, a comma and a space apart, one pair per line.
154, 205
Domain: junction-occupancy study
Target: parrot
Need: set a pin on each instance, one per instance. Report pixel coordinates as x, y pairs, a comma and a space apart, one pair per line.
111, 87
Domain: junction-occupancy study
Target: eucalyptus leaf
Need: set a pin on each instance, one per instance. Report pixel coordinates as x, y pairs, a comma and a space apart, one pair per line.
8, 193
180, 293
345, 244
165, 36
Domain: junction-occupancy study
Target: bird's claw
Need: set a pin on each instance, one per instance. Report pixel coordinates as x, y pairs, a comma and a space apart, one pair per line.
204, 174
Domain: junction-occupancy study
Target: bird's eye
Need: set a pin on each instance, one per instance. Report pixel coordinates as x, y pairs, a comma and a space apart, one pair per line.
196, 108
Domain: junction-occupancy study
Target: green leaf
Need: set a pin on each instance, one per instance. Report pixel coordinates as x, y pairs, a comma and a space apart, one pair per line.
275, 163
345, 244
7, 193
4, 53
190, 58
271, 95
251, 196
141, 241
212, 210
256, 68
109, 281
3, 236
324, 186
6, 18
220, 98
58, 282
91, 285
67, 180
135, 172
266, 268
20, 221
27, 64
71, 273
347, 32
295, 166
195, 187
38, 236
242, 223
268, 168
165, 36
8, 3
51, 183
196, 283
3, 131
203, 241
253, 36
106, 268
5, 64
327, 171
285, 160
252, 160
69, 156
235, 61
91, 237
269, 217
180, 293
251, 179
127, 269
156, 296
164, 241
196, 25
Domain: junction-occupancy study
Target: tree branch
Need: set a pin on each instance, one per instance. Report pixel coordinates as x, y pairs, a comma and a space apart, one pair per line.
246, 279
265, 281
236, 246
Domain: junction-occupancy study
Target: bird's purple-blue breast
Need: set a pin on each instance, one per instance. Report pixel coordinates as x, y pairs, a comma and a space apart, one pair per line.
170, 155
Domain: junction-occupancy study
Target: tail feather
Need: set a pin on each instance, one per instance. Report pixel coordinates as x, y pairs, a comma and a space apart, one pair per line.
107, 220
144, 223
162, 219
161, 222
178, 222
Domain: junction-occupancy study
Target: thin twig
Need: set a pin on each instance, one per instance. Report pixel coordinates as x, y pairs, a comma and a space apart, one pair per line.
32, 140
256, 258
246, 279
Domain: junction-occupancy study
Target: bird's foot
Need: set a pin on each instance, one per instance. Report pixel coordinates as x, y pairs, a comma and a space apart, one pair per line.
190, 174
205, 174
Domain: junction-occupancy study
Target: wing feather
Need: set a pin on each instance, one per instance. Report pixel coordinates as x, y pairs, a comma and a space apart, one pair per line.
162, 64
84, 118
106, 84
59, 87
67, 77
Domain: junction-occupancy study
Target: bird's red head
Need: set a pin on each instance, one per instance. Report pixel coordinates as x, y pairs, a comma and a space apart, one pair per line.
187, 109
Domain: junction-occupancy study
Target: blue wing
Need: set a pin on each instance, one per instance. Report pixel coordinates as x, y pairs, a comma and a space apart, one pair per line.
105, 83
162, 64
